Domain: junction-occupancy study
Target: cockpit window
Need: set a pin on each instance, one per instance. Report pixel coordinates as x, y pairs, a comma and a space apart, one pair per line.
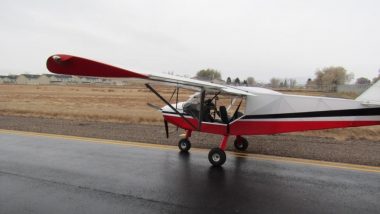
216, 108
193, 105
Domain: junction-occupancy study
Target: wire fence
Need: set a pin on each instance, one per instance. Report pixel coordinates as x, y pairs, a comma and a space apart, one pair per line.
355, 88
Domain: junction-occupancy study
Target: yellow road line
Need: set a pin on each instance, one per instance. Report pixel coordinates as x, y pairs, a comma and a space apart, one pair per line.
319, 163
355, 167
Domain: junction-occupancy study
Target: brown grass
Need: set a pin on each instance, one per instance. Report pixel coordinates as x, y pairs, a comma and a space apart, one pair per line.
126, 104
357, 133
121, 104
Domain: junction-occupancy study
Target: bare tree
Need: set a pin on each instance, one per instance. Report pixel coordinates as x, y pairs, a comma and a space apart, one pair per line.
292, 83
275, 82
228, 81
237, 81
251, 81
332, 76
208, 74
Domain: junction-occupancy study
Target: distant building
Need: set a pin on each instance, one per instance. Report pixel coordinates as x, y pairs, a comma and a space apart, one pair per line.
46, 79
59, 79
10, 79
106, 82
118, 82
27, 79
91, 80
74, 79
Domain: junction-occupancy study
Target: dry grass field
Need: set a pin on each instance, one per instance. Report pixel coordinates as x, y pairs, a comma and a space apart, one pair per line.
126, 104
116, 104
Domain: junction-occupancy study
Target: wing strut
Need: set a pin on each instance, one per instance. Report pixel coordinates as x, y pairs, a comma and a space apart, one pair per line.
167, 103
203, 94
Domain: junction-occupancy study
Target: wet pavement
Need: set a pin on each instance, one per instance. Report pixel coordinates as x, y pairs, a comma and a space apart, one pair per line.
57, 174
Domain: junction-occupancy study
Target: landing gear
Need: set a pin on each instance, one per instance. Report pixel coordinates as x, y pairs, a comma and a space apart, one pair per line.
184, 145
217, 157
241, 143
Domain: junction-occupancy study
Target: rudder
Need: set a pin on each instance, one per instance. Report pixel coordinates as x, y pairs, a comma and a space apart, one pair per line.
371, 96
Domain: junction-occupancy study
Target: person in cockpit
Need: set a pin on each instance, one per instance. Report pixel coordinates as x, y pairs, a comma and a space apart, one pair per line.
193, 107
208, 106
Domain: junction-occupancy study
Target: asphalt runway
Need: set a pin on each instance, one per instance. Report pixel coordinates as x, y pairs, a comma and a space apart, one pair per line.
43, 173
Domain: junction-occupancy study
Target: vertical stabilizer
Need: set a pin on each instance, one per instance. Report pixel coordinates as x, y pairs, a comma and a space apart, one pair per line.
371, 96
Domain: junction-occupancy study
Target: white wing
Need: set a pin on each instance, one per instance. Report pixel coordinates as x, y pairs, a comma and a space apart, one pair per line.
73, 65
197, 83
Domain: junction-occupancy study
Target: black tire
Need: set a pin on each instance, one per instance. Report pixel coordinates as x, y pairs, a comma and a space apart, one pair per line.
184, 145
217, 157
241, 143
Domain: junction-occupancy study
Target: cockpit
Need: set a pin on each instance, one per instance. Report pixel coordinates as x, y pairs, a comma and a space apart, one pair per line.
214, 108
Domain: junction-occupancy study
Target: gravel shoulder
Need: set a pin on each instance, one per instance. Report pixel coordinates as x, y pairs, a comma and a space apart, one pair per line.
362, 152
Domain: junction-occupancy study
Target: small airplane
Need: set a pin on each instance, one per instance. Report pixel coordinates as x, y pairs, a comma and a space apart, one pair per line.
256, 111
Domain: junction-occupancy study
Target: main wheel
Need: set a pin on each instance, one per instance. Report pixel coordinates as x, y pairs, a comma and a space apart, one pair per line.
217, 157
184, 145
241, 143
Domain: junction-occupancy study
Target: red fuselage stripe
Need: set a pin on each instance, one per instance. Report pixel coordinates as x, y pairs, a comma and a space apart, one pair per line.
257, 127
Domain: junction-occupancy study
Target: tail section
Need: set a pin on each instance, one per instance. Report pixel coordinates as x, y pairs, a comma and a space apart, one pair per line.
371, 96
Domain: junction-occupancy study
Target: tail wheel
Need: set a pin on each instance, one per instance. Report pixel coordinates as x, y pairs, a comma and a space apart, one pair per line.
217, 157
241, 143
184, 145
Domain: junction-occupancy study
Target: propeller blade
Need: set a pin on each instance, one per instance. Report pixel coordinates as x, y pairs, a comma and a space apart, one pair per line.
166, 128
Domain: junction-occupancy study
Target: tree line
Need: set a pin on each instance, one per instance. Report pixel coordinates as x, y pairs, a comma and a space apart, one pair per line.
328, 76
250, 81
210, 74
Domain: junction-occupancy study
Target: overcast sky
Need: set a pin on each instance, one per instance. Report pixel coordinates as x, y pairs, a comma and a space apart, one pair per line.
262, 39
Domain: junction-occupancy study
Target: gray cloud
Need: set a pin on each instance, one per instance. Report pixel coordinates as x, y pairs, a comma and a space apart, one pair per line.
241, 38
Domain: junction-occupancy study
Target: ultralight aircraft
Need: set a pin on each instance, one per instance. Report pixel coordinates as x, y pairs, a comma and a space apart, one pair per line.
258, 111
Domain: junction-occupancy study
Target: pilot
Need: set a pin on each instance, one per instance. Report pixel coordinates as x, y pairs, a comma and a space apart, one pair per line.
208, 106
192, 107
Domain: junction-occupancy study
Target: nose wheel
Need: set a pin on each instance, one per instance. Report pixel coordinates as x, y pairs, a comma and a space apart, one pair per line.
217, 157
184, 145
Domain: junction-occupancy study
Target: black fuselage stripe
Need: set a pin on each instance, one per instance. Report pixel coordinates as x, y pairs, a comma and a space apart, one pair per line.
167, 112
332, 113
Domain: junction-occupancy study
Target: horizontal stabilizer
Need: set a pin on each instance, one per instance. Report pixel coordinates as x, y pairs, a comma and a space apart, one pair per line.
73, 65
371, 96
